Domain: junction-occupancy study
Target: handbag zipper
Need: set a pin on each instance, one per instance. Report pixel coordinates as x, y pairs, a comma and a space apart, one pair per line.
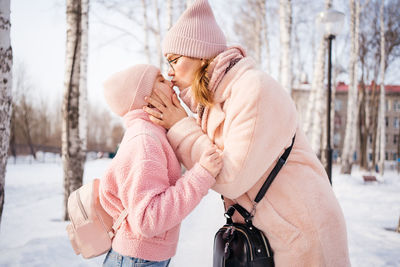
78, 197
265, 244
248, 240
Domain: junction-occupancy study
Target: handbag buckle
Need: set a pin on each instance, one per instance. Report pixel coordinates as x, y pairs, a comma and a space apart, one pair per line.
229, 213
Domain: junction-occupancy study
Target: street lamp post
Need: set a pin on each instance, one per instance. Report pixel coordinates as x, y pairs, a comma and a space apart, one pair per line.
332, 20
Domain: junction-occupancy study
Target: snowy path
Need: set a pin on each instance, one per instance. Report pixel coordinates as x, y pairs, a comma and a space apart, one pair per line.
32, 233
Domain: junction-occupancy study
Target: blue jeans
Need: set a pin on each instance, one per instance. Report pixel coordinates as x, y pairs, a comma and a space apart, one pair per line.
114, 259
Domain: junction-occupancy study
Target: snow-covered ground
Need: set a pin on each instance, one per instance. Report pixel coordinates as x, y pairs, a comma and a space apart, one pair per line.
33, 234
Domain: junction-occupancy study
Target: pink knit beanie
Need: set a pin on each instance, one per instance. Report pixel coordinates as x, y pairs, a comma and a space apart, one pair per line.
125, 90
195, 34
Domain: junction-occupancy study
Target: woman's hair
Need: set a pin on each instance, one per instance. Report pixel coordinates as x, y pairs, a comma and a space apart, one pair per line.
200, 90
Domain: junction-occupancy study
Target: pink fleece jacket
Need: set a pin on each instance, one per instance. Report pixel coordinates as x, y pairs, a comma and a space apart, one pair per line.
145, 177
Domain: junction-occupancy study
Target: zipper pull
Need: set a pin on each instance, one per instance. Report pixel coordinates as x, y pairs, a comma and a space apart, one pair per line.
227, 251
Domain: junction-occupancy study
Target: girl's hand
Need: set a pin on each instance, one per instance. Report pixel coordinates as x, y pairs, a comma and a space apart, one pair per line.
211, 160
167, 112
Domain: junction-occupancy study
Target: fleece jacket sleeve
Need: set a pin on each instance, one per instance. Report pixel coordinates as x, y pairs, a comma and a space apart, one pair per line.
154, 206
260, 121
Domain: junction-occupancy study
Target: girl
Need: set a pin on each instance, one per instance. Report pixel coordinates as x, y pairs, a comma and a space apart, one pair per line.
145, 175
252, 119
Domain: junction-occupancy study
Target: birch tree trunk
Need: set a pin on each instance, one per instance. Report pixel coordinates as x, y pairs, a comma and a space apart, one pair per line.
351, 120
169, 14
381, 122
257, 33
83, 101
158, 36
262, 5
362, 126
316, 108
6, 61
374, 124
285, 14
72, 153
146, 32
316, 114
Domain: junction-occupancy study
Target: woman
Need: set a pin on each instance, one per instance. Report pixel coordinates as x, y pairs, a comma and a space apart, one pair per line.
252, 120
144, 178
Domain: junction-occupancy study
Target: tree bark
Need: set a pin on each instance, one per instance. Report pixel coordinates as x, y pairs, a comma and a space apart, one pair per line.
374, 123
316, 107
146, 32
158, 36
169, 14
351, 120
72, 153
83, 100
257, 33
285, 14
382, 125
262, 5
6, 61
362, 127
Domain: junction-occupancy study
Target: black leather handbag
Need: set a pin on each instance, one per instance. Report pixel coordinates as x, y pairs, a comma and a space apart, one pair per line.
242, 244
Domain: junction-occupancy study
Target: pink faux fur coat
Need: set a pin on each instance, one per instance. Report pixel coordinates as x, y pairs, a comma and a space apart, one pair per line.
145, 178
253, 121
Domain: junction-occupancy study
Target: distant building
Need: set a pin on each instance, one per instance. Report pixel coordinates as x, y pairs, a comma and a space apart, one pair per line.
301, 96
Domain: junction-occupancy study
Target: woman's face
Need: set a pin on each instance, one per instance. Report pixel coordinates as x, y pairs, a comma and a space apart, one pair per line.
162, 85
182, 69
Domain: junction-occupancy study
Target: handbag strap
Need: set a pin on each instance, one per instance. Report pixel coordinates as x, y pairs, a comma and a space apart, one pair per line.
248, 216
274, 172
242, 211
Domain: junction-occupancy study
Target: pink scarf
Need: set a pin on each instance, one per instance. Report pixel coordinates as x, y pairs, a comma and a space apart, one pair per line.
186, 96
216, 71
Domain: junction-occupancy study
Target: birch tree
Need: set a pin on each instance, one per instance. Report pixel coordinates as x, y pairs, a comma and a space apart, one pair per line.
285, 66
157, 35
146, 32
170, 16
257, 34
262, 6
73, 156
6, 61
391, 20
251, 28
351, 120
83, 101
381, 121
316, 107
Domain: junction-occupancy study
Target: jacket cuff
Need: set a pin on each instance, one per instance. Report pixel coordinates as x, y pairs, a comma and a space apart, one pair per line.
177, 133
202, 178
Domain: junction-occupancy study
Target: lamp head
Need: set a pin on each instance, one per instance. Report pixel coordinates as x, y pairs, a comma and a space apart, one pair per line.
332, 21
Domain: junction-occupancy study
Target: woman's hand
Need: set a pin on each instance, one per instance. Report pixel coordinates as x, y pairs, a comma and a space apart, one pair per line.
166, 112
211, 160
